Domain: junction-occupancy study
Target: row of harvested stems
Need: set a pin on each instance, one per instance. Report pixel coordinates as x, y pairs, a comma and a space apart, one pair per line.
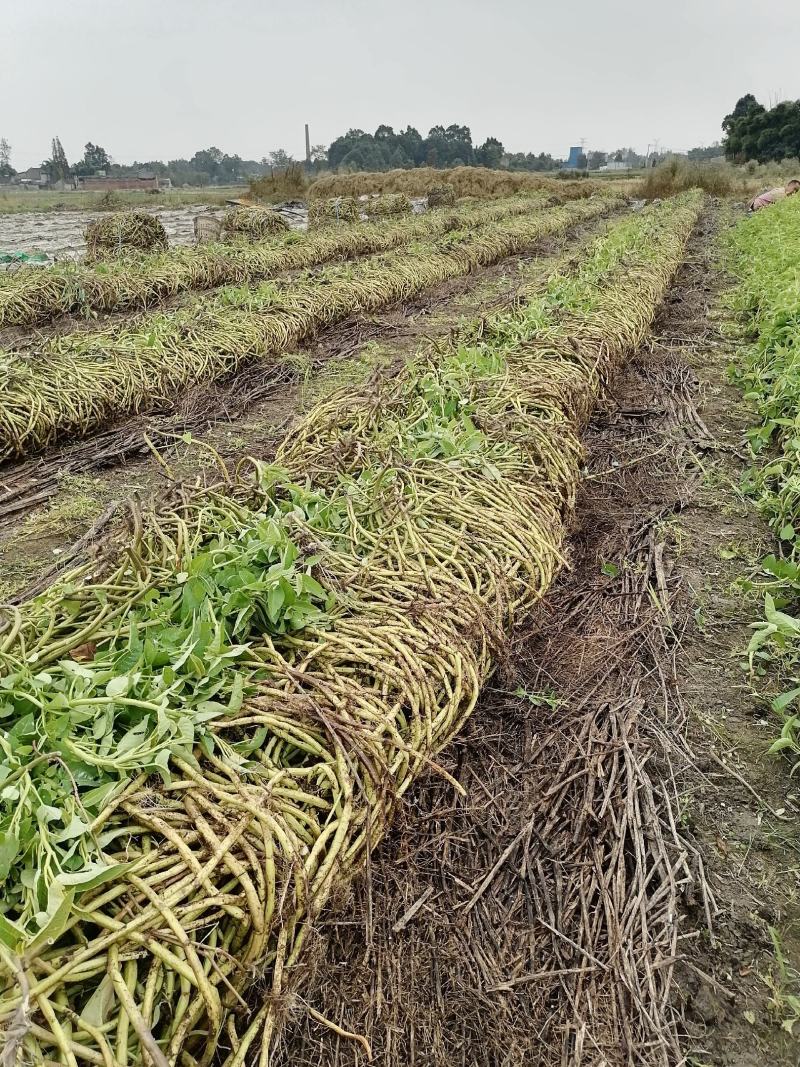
467, 181
124, 233
38, 294
76, 383
253, 223
414, 525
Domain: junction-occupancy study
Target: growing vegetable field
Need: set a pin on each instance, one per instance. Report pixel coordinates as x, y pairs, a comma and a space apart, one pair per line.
224, 693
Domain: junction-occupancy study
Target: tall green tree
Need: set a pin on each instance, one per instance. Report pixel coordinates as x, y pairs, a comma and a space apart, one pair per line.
95, 159
6, 170
753, 132
490, 153
280, 158
57, 166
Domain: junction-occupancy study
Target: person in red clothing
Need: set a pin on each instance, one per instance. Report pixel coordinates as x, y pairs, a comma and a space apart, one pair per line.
772, 195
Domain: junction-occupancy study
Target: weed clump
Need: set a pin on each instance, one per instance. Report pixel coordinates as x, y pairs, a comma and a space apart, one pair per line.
716, 177
289, 183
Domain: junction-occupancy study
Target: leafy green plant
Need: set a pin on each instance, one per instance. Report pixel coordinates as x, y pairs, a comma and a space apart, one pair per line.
784, 987
77, 730
764, 252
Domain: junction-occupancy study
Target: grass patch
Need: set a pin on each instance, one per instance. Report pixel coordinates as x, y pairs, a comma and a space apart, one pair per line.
14, 200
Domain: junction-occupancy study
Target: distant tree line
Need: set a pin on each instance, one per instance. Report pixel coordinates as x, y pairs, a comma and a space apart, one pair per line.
749, 130
712, 151
445, 146
452, 146
763, 134
210, 166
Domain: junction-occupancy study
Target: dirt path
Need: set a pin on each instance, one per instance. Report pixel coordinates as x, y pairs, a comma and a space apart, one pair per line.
739, 805
603, 893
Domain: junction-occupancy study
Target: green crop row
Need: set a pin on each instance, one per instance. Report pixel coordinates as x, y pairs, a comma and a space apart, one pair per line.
75, 383
206, 730
765, 253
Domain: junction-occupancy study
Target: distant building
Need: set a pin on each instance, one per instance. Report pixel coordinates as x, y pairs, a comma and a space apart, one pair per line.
613, 164
574, 160
144, 180
32, 176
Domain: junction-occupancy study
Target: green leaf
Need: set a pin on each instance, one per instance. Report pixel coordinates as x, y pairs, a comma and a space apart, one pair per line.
782, 702
781, 744
98, 1007
161, 764
75, 828
54, 920
93, 875
11, 935
96, 798
275, 601
9, 850
237, 693
118, 687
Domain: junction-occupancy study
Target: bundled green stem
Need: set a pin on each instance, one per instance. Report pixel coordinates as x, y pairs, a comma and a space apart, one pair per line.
429, 516
123, 233
253, 223
442, 196
388, 204
78, 382
337, 210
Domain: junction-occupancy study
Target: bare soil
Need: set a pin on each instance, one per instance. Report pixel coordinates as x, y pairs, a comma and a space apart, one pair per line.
60, 234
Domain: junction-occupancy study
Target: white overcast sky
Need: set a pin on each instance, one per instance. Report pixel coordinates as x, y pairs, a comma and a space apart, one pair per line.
159, 79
